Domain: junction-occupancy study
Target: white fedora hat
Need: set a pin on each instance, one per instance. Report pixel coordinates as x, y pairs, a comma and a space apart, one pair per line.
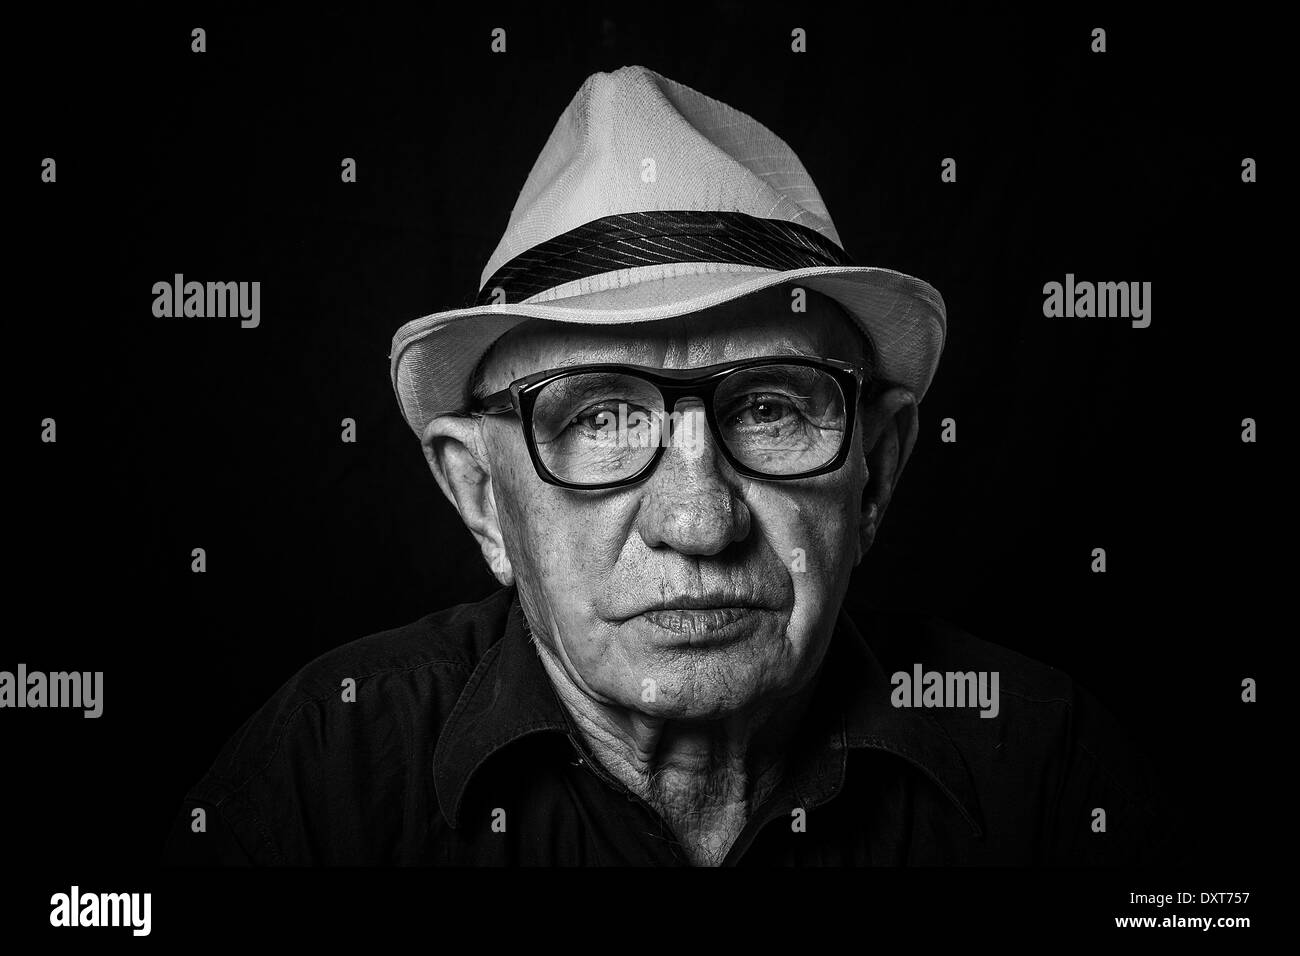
649, 201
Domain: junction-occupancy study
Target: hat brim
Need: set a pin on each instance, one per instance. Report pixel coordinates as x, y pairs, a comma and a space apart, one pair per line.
434, 356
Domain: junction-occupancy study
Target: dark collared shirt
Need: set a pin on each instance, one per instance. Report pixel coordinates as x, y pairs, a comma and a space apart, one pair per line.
457, 751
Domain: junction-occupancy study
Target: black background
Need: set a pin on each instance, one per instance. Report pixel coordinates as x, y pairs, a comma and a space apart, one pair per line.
176, 434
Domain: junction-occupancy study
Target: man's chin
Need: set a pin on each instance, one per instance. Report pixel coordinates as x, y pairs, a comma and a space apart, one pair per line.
688, 670
696, 701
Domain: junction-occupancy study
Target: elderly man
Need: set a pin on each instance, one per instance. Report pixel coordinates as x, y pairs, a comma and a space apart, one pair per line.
673, 423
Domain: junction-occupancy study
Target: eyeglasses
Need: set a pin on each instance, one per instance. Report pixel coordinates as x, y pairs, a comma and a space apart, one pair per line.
607, 425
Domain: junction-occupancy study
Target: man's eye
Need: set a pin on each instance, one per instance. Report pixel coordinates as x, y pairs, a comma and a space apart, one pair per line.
764, 410
596, 418
608, 416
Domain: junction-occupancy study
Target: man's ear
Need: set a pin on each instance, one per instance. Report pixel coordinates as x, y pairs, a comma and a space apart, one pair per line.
454, 447
889, 432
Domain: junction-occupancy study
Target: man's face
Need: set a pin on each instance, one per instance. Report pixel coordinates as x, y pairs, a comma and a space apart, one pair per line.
696, 592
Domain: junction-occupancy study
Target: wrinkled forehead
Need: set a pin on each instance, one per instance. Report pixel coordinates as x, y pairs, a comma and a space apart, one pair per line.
760, 324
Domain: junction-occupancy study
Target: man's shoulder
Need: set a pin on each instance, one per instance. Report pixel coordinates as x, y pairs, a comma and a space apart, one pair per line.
1043, 698
1037, 727
391, 685
454, 638
901, 640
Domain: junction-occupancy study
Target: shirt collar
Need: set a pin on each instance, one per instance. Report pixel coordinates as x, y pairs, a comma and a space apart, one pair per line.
509, 696
871, 721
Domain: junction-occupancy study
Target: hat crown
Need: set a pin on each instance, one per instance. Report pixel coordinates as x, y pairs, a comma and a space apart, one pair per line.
634, 141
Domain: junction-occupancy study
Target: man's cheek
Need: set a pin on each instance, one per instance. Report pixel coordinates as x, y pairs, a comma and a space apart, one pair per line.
605, 662
812, 540
569, 561
524, 533
569, 550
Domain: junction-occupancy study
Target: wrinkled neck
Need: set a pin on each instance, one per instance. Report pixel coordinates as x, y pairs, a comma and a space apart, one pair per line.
704, 777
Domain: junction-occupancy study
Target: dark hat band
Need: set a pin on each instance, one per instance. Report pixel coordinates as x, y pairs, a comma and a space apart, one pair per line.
630, 240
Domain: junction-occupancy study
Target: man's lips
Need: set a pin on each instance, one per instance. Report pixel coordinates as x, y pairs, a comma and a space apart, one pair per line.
697, 620
701, 615
702, 602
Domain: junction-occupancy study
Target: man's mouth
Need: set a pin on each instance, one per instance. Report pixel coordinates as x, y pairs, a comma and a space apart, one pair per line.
697, 620
704, 618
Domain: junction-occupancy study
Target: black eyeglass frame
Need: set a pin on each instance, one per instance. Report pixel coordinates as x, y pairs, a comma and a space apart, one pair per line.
520, 397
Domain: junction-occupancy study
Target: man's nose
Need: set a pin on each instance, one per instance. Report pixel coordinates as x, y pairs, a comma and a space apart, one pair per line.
692, 502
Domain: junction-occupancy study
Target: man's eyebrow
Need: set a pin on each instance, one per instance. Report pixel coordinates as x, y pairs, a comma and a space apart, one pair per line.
794, 350
577, 358
580, 385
